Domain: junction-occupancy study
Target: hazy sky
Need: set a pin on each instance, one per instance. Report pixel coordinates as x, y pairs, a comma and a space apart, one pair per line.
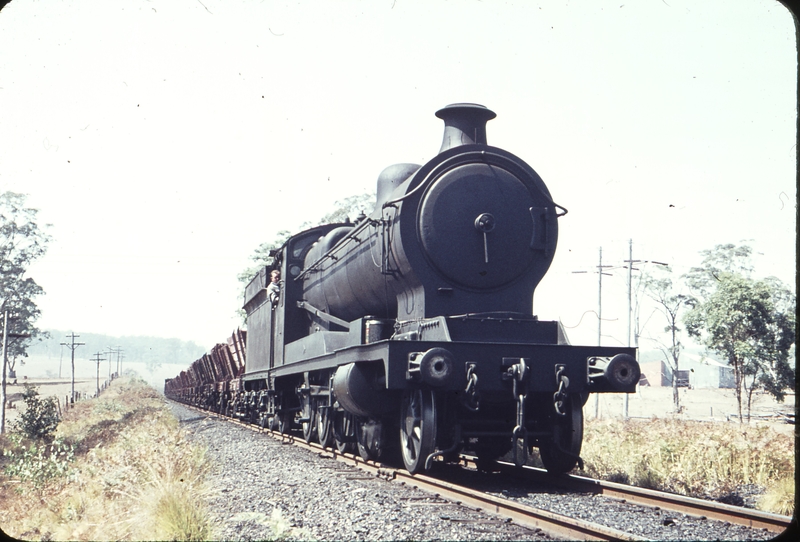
166, 139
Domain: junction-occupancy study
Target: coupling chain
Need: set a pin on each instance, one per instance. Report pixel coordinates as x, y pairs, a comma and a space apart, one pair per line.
518, 372
561, 395
472, 398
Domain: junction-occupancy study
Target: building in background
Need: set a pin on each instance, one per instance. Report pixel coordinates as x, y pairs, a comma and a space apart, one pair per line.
696, 371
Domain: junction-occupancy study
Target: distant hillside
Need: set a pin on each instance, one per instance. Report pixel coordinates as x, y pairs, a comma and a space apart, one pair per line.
152, 351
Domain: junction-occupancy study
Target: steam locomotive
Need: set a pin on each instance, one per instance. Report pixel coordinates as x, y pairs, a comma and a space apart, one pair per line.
409, 333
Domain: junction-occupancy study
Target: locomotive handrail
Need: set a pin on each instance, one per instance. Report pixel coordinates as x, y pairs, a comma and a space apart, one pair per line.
357, 229
464, 156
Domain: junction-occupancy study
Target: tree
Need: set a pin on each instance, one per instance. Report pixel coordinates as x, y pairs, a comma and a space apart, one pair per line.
727, 258
670, 303
779, 371
750, 323
21, 239
23, 314
21, 242
263, 256
343, 210
350, 208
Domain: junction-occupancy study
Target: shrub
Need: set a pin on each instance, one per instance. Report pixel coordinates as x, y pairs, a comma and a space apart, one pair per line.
39, 464
779, 497
691, 458
40, 418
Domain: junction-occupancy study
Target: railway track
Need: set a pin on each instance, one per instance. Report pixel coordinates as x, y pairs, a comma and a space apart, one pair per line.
556, 524
747, 517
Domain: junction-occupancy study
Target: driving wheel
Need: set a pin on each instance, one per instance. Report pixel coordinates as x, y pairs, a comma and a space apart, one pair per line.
561, 454
310, 417
417, 428
325, 425
344, 431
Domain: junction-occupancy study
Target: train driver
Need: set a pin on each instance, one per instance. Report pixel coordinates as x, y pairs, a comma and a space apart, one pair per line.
274, 288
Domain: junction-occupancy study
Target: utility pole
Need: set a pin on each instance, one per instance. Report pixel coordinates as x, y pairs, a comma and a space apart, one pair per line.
5, 358
98, 359
599, 322
117, 351
630, 311
600, 298
630, 262
600, 274
73, 345
3, 394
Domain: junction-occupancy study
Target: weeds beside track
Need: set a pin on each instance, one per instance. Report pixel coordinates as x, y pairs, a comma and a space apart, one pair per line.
130, 474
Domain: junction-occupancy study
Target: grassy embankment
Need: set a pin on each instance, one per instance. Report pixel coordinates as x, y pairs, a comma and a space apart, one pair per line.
122, 470
698, 459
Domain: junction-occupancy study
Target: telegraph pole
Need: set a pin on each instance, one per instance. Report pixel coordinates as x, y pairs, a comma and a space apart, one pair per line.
600, 298
629, 264
3, 395
5, 358
98, 359
599, 321
118, 352
73, 345
630, 311
600, 274
110, 353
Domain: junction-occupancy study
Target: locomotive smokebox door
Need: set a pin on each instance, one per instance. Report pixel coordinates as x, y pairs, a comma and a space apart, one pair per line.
476, 226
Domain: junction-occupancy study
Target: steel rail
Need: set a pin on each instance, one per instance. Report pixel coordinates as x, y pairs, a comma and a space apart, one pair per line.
526, 516
738, 515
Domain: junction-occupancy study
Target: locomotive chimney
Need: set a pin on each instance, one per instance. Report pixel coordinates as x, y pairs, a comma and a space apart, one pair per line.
464, 124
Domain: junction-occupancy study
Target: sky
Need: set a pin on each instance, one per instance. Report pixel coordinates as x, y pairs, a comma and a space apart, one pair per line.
164, 140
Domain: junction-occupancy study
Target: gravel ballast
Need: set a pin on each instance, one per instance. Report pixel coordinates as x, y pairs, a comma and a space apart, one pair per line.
320, 498
265, 488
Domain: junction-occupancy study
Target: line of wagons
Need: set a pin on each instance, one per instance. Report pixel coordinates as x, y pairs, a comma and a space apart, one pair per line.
214, 381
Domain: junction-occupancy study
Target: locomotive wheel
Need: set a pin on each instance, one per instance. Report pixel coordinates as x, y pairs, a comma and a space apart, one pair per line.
310, 426
285, 421
325, 425
417, 428
561, 454
344, 431
370, 438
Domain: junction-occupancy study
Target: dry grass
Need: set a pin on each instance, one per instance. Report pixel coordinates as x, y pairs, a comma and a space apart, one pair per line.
134, 476
692, 458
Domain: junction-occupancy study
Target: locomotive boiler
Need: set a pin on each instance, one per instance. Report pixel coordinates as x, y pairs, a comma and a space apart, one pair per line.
410, 333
